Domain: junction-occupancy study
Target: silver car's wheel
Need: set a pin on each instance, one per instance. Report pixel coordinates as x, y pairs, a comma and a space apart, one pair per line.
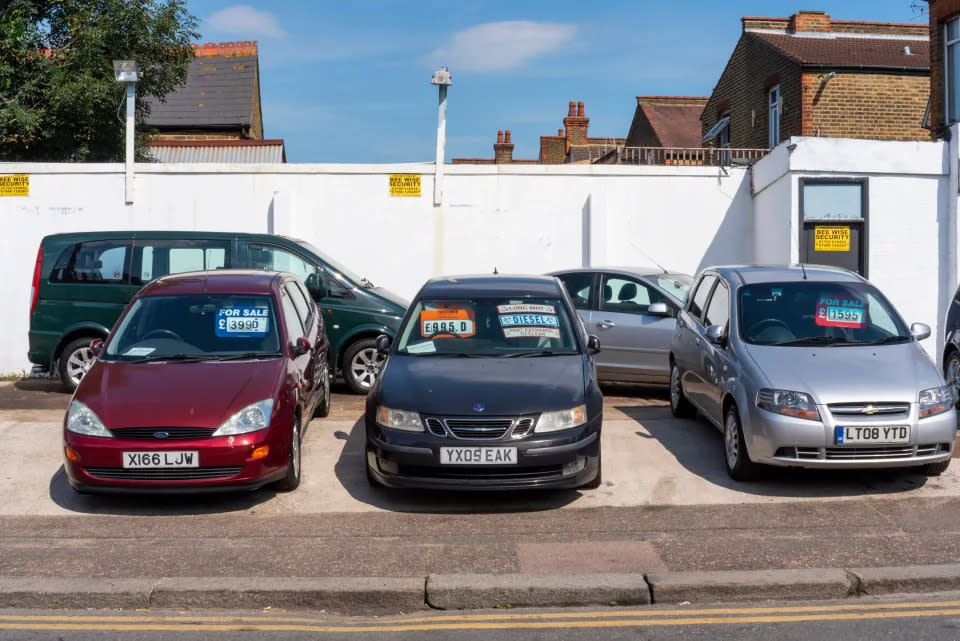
731, 441
736, 456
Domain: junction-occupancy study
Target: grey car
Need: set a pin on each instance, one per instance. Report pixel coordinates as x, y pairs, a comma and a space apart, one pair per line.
808, 367
633, 311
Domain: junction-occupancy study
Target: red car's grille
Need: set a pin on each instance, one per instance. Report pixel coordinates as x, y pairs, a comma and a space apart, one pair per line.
169, 474
162, 433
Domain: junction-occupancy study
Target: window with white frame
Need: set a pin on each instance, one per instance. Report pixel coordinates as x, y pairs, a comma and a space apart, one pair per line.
775, 109
951, 39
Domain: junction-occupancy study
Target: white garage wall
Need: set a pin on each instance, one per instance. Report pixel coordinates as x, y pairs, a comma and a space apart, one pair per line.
522, 219
517, 218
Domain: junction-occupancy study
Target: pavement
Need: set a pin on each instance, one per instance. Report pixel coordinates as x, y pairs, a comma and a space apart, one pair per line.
667, 515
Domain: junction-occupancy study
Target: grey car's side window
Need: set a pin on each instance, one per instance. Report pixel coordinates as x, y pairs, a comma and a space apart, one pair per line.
622, 294
580, 288
718, 312
699, 299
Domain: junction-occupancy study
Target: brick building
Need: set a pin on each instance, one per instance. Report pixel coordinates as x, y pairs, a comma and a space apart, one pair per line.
570, 145
808, 75
215, 116
944, 29
666, 121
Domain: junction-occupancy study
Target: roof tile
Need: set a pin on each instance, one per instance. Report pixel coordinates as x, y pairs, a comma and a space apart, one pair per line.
851, 52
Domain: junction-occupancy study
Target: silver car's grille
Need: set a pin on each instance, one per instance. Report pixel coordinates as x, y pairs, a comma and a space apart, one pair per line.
861, 453
885, 410
472, 428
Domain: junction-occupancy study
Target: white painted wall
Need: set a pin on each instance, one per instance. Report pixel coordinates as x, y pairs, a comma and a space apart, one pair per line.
908, 198
523, 219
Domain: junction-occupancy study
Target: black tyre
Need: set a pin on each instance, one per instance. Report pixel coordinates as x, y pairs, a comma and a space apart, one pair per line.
679, 405
951, 370
936, 469
76, 359
323, 406
362, 364
739, 465
598, 479
291, 481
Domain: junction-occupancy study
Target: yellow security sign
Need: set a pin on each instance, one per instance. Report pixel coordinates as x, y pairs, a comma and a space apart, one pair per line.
405, 185
15, 185
831, 239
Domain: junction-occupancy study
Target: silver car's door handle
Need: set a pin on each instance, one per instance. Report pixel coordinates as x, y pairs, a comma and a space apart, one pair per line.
606, 323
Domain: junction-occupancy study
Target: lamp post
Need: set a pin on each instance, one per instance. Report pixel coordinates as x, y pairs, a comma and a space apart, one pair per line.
442, 79
128, 71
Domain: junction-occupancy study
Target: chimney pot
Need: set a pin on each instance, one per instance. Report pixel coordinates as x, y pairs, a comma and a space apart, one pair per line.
500, 135
506, 136
580, 109
560, 132
573, 109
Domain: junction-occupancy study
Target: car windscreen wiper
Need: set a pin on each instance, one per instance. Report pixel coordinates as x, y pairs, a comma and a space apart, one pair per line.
819, 340
450, 354
170, 357
244, 356
889, 339
542, 352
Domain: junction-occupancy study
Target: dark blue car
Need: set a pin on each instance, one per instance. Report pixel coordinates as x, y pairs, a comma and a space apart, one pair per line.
490, 384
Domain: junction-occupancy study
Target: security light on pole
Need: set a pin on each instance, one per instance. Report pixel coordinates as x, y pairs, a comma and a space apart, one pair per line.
128, 71
442, 79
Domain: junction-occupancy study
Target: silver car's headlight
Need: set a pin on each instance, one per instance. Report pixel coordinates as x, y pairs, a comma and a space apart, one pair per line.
562, 420
82, 420
251, 418
399, 419
788, 403
936, 400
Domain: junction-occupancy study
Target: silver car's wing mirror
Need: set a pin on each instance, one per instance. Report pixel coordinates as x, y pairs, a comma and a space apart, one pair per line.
716, 334
658, 309
920, 331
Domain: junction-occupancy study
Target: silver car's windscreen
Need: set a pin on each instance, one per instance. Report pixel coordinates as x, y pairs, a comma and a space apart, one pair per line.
186, 325
488, 327
810, 312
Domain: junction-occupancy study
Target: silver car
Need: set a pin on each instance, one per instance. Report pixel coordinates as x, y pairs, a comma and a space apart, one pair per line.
633, 312
809, 367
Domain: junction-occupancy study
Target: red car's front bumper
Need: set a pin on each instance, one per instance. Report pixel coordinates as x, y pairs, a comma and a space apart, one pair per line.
224, 463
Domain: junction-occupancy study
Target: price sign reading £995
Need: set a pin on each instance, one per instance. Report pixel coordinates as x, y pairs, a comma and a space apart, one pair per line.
243, 322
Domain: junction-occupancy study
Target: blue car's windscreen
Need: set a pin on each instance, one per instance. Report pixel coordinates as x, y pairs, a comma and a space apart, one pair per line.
187, 325
488, 327
798, 313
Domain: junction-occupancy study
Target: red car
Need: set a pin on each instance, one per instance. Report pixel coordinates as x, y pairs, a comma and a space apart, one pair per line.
205, 383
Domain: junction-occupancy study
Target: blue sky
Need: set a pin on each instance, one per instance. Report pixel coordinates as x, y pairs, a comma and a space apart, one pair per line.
348, 81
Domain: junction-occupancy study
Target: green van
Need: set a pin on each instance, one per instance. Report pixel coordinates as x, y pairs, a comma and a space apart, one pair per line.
83, 281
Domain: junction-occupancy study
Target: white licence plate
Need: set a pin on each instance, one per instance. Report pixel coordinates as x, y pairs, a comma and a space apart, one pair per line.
132, 460
478, 455
855, 434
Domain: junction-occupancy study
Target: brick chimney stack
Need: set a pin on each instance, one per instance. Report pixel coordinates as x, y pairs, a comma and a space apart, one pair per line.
809, 22
503, 148
576, 124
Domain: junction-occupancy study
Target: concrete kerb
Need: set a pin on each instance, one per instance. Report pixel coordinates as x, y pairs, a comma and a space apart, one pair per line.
380, 595
480, 591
